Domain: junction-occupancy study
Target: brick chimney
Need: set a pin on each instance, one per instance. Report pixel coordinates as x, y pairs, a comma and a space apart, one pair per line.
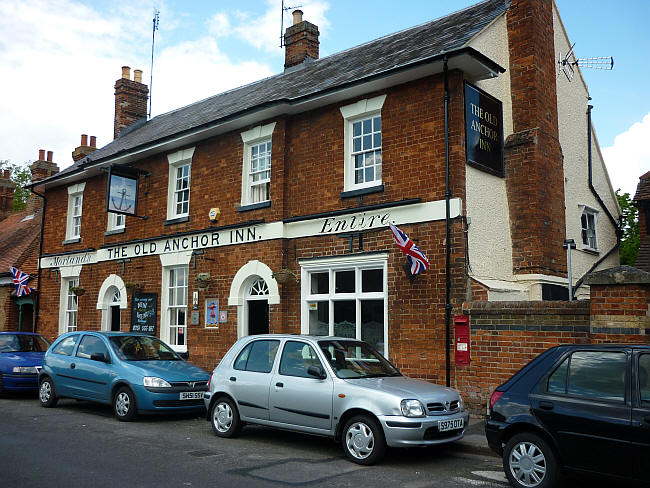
130, 100
84, 149
300, 41
6, 194
533, 156
41, 169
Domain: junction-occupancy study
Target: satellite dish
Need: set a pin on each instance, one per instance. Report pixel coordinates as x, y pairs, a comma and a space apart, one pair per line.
565, 65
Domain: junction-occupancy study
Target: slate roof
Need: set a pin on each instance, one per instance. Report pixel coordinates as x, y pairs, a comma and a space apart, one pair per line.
19, 240
396, 50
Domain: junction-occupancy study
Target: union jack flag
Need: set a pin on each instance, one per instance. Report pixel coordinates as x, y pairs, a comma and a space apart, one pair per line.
415, 257
20, 282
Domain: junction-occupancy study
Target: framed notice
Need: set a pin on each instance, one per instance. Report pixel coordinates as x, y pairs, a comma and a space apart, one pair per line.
212, 312
122, 190
143, 313
483, 130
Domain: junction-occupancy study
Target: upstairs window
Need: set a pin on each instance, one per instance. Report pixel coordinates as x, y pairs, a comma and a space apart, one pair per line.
182, 191
116, 222
256, 168
588, 220
75, 210
178, 193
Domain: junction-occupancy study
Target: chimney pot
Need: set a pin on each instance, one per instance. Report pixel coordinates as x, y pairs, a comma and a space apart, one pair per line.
41, 154
93, 141
297, 17
84, 139
137, 76
49, 156
126, 72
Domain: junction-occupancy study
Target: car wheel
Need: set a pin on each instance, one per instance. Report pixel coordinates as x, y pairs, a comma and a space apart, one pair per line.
47, 393
225, 418
529, 462
363, 440
124, 404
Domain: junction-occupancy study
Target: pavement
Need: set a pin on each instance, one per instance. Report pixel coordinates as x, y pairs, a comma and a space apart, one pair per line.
474, 441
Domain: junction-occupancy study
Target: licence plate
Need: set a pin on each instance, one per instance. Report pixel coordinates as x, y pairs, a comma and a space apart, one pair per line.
191, 395
444, 425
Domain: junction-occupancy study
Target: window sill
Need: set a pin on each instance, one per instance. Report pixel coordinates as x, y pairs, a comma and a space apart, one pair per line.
178, 220
254, 206
72, 241
362, 191
590, 250
115, 231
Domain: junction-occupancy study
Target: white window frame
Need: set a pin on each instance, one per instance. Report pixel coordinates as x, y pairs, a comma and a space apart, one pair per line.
75, 211
116, 221
363, 109
347, 263
251, 138
178, 160
586, 210
69, 278
173, 261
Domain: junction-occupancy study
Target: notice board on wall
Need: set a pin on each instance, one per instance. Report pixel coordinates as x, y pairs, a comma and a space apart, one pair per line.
143, 313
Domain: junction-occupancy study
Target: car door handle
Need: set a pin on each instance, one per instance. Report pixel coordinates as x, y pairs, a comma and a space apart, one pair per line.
73, 366
279, 385
232, 378
546, 405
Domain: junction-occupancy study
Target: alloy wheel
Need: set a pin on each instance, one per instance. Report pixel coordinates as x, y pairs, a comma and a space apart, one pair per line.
122, 404
527, 464
45, 391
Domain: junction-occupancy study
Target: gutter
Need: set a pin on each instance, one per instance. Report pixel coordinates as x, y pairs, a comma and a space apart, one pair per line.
615, 223
37, 307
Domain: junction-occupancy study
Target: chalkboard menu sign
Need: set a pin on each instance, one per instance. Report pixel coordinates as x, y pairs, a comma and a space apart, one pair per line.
483, 130
143, 313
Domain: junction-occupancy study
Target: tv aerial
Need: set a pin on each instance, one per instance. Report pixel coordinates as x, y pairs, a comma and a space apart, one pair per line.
565, 65
284, 9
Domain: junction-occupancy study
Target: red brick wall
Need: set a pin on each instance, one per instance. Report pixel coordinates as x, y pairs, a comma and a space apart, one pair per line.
300, 40
630, 300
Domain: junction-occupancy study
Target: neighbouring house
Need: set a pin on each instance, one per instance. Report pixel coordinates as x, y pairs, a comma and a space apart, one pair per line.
267, 208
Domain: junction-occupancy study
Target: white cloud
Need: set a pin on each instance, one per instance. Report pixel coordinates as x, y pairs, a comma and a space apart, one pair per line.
219, 24
629, 157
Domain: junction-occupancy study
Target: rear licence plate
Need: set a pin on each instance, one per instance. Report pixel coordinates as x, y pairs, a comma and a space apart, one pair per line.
191, 395
444, 425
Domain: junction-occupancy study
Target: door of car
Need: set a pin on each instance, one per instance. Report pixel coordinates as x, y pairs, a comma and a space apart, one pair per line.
93, 375
59, 362
250, 378
640, 435
585, 405
296, 397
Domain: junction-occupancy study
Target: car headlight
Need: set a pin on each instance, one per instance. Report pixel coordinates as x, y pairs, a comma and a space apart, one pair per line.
412, 408
25, 369
155, 382
461, 403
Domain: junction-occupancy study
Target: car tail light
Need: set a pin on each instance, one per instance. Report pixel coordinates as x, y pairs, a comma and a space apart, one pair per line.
209, 380
493, 399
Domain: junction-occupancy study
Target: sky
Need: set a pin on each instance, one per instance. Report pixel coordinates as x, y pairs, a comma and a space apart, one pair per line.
59, 60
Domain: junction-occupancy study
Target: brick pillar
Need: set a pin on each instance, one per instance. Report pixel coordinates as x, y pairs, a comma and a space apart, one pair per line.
131, 98
533, 156
300, 41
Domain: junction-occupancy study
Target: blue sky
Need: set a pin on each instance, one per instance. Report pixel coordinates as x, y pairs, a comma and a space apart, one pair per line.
60, 59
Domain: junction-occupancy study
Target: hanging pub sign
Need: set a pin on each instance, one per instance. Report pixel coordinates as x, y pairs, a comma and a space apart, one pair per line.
143, 313
483, 130
122, 190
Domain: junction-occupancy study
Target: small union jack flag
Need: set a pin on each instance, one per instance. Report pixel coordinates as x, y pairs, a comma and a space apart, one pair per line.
415, 257
20, 282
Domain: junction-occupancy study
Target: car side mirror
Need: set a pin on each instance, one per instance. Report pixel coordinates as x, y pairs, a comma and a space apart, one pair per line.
317, 372
99, 356
184, 355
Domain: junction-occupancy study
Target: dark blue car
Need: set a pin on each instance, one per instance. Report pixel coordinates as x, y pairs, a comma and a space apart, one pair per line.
21, 354
135, 373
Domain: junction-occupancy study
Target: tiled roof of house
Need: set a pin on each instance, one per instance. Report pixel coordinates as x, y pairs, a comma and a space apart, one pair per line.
19, 238
643, 188
339, 70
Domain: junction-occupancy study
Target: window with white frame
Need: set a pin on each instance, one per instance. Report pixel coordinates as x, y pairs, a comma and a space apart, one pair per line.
71, 305
256, 172
178, 194
75, 210
347, 298
116, 221
588, 220
362, 144
177, 306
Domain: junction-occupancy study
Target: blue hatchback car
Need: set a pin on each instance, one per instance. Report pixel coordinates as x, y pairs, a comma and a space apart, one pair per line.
21, 355
135, 373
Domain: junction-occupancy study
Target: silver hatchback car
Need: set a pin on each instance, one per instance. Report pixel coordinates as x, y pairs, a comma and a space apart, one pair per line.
331, 386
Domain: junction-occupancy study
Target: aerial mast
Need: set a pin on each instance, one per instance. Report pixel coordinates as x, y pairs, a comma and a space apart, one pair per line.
156, 19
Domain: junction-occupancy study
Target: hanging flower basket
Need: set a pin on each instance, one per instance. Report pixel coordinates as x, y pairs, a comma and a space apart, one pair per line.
133, 287
78, 290
202, 281
284, 276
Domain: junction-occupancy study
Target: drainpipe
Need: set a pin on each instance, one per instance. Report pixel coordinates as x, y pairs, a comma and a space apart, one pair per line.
37, 306
615, 223
448, 232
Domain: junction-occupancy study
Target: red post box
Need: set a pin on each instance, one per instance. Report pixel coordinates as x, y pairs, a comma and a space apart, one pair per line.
461, 333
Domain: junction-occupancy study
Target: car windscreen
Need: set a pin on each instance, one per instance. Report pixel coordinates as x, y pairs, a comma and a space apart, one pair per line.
354, 359
142, 348
22, 343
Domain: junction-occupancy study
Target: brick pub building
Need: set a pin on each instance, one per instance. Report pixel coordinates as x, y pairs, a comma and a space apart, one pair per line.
267, 206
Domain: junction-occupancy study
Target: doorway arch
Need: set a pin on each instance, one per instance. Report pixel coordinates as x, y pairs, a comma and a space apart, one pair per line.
111, 300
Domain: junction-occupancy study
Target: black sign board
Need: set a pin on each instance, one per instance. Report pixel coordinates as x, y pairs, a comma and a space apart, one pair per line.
122, 190
483, 130
143, 313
